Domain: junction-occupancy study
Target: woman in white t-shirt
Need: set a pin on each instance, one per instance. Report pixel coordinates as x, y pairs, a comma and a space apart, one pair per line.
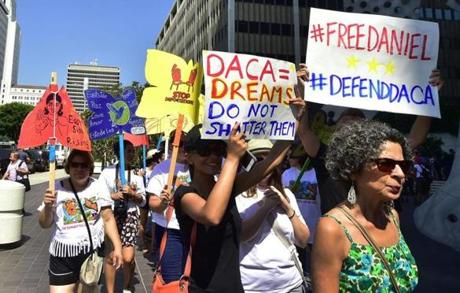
271, 225
70, 245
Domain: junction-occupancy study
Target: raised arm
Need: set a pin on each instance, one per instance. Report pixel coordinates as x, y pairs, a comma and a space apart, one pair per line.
275, 157
310, 141
422, 124
210, 211
246, 180
250, 226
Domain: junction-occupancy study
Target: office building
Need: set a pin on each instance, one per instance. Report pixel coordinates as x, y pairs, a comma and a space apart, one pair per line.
279, 29
81, 77
9, 48
26, 94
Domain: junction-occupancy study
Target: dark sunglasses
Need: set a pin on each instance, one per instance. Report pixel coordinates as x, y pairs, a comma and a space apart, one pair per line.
76, 165
388, 165
219, 150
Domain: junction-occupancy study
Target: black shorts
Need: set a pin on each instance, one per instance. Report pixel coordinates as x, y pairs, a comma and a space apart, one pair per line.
66, 270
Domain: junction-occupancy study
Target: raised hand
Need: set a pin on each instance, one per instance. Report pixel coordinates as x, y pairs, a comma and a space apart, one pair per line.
49, 199
435, 79
236, 145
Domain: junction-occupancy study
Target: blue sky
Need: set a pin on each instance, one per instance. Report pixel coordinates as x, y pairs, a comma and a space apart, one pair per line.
56, 33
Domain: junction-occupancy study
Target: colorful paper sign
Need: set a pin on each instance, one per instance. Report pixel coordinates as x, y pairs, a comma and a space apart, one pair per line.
251, 90
175, 87
372, 62
113, 115
54, 108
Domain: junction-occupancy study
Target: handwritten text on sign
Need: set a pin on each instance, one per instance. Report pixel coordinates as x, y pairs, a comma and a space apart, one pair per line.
372, 62
251, 90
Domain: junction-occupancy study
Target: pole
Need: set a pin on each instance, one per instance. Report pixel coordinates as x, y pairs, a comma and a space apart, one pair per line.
122, 158
175, 151
167, 146
52, 140
144, 157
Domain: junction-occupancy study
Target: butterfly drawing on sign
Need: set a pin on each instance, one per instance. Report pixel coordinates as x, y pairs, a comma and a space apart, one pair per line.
112, 115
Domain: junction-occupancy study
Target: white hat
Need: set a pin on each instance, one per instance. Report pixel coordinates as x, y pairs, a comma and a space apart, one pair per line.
151, 153
256, 146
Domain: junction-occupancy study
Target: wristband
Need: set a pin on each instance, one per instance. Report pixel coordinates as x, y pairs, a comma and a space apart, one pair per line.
293, 214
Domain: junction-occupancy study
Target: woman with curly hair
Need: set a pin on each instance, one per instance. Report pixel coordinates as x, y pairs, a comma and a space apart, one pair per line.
359, 246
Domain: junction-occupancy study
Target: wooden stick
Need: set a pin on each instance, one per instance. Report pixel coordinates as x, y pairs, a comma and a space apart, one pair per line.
175, 151
52, 143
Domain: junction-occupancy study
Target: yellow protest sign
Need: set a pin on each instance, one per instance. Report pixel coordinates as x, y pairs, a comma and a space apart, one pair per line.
175, 87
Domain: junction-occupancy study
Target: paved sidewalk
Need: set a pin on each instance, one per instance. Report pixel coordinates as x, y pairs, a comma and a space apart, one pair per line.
24, 265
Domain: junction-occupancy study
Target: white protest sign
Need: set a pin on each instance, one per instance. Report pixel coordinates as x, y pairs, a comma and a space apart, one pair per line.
251, 90
372, 62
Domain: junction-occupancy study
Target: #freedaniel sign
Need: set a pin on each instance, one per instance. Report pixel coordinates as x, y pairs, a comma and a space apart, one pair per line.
372, 62
251, 90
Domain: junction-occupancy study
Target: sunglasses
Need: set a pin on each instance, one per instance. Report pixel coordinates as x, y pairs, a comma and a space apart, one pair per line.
219, 150
76, 165
388, 165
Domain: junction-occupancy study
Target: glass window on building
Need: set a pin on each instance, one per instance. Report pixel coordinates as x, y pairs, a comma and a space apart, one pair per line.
438, 13
265, 28
275, 28
253, 27
428, 12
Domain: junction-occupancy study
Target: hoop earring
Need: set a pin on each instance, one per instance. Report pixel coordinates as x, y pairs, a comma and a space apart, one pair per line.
351, 197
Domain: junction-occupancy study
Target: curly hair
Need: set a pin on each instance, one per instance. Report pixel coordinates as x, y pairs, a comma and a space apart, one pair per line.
355, 144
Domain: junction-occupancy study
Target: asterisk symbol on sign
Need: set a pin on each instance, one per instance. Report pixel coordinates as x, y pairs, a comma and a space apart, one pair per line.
373, 65
352, 62
389, 68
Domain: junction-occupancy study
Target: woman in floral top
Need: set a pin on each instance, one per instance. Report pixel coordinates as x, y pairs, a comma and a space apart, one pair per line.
374, 158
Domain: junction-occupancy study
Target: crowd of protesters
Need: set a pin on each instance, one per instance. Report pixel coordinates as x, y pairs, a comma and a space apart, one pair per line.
251, 230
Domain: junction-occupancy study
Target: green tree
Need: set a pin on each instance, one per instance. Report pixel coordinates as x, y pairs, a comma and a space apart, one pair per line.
13, 114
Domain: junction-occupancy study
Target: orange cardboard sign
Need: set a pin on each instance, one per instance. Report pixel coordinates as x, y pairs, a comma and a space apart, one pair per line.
54, 117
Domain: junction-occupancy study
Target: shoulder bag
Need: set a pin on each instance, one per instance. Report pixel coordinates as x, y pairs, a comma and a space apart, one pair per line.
181, 285
25, 178
371, 241
293, 251
91, 269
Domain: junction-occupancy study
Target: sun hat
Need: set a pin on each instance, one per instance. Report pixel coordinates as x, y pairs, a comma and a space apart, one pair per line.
256, 146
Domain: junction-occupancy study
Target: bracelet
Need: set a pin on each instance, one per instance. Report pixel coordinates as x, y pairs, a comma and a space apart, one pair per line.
293, 214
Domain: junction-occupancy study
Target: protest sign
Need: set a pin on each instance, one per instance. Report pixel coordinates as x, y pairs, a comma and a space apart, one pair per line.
251, 90
54, 118
175, 86
372, 62
112, 115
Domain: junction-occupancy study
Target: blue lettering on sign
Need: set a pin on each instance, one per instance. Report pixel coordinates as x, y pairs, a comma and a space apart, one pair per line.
253, 127
368, 88
261, 110
219, 129
217, 110
282, 128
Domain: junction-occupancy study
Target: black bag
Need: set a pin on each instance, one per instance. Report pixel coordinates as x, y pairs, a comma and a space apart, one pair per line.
25, 182
25, 179
120, 208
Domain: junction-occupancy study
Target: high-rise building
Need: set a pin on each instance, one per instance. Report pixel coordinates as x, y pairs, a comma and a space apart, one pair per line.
10, 33
279, 29
81, 77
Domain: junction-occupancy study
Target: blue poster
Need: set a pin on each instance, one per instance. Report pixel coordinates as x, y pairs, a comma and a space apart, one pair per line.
113, 115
